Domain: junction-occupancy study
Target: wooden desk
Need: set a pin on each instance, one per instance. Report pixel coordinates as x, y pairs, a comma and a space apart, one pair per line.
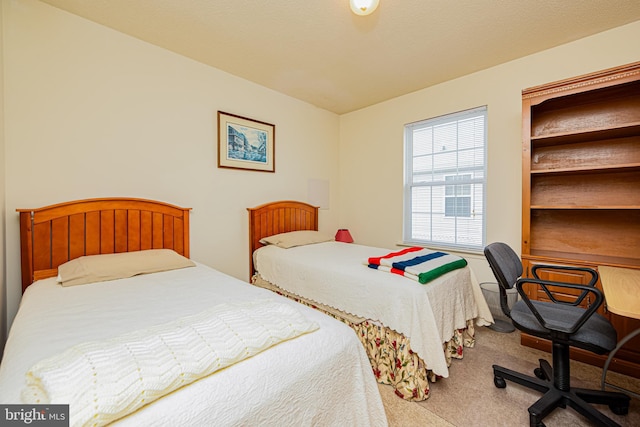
621, 287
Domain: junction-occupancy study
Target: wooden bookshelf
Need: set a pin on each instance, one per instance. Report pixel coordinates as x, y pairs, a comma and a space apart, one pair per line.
581, 186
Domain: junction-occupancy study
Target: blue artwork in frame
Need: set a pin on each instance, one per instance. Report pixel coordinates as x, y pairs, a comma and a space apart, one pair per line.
245, 143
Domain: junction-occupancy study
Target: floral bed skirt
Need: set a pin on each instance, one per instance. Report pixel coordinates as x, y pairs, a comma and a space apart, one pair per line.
389, 352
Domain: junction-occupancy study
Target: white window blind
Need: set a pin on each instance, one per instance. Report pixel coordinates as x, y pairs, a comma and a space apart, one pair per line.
445, 161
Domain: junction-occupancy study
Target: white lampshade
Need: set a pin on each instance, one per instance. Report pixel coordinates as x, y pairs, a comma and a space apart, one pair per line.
363, 7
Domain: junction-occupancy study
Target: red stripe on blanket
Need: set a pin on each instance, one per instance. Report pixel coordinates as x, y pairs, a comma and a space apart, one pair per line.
376, 260
396, 271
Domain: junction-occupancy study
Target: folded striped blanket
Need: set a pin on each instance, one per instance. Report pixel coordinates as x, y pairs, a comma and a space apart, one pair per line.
419, 264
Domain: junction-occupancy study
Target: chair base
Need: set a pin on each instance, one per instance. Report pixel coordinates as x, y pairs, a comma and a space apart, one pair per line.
577, 398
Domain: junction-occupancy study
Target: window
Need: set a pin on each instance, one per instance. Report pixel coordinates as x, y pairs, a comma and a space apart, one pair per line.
457, 200
445, 180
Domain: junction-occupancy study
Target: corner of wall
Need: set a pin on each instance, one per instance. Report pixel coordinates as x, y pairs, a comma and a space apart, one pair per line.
3, 281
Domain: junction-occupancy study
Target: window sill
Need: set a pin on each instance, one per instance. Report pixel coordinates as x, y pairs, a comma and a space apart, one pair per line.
479, 253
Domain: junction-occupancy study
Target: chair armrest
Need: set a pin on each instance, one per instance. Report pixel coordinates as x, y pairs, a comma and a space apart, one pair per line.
592, 282
588, 312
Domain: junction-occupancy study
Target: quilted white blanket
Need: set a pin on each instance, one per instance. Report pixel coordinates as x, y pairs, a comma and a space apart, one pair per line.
103, 381
333, 273
319, 378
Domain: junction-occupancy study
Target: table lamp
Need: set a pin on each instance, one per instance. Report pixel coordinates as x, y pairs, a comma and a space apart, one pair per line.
343, 235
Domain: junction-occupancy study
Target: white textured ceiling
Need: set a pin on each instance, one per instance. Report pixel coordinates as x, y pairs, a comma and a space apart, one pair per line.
320, 52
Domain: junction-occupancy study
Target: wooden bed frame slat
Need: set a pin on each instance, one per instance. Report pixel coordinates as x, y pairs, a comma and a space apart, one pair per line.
60, 240
278, 217
92, 233
167, 232
157, 239
42, 240
77, 233
107, 230
133, 230
121, 231
53, 235
146, 232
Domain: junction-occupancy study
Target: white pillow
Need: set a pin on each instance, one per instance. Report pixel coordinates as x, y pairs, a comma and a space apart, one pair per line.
296, 238
100, 268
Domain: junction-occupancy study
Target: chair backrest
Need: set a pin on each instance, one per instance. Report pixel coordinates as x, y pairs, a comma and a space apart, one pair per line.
506, 267
504, 263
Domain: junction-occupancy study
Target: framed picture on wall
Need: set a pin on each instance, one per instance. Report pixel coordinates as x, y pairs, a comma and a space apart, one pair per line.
245, 143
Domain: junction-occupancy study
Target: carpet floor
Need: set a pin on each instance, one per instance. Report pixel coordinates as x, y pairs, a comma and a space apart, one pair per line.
469, 398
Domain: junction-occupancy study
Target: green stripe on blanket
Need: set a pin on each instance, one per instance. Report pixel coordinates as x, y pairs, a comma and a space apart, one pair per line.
439, 271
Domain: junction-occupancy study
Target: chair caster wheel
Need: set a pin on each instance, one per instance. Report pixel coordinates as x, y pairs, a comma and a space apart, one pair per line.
619, 410
499, 382
539, 373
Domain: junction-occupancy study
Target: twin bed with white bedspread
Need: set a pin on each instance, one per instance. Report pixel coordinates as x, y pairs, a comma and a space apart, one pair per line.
156, 349
411, 331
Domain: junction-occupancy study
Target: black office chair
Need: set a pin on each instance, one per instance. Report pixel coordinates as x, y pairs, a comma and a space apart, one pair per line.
566, 325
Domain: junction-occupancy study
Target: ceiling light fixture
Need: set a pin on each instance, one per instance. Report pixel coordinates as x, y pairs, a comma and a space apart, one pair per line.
363, 7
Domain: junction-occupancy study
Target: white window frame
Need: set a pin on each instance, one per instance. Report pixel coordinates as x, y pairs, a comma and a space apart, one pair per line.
438, 183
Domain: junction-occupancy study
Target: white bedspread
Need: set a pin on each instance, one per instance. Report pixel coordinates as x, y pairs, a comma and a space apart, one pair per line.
333, 273
322, 378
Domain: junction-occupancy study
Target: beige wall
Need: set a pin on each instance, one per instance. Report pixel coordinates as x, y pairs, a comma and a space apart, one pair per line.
91, 112
3, 299
371, 139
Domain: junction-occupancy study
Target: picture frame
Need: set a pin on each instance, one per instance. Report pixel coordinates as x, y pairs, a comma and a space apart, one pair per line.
245, 143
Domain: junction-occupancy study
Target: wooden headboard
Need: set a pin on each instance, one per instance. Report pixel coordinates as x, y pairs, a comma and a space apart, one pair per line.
53, 235
278, 217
